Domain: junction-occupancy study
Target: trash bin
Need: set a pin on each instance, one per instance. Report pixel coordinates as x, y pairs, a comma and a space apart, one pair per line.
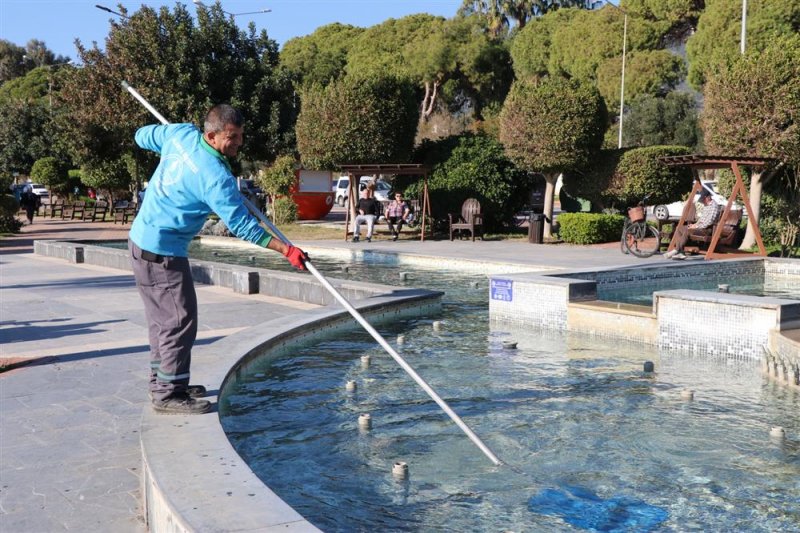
536, 229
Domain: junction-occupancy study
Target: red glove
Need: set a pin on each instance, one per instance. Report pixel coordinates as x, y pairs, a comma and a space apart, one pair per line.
296, 257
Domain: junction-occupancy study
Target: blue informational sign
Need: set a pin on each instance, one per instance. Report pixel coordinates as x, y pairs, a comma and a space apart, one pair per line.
502, 289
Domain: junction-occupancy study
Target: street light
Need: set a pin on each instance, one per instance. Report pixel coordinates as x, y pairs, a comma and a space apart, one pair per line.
104, 8
622, 82
744, 25
201, 4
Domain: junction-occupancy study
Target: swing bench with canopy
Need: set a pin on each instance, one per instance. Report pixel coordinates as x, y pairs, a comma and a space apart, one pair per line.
702, 162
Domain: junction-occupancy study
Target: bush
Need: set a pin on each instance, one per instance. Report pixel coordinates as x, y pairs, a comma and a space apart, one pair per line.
8, 208
590, 228
639, 173
284, 210
471, 166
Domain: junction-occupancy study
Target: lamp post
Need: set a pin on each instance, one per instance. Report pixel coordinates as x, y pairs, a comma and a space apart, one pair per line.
104, 8
622, 78
744, 26
201, 4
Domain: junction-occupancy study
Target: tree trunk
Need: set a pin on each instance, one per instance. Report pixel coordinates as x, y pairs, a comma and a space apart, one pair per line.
429, 100
756, 186
549, 196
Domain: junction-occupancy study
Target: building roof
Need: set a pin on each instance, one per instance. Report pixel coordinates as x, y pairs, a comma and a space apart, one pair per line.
386, 168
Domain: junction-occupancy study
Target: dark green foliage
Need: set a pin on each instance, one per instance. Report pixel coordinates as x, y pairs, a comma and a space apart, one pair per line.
472, 166
594, 181
50, 172
284, 210
590, 228
639, 173
8, 208
371, 120
25, 136
671, 120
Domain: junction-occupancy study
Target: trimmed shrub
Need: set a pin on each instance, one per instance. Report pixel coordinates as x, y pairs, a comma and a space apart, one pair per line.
372, 120
639, 173
284, 210
590, 228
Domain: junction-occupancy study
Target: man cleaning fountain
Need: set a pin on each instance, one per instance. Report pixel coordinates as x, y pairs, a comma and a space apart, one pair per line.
192, 179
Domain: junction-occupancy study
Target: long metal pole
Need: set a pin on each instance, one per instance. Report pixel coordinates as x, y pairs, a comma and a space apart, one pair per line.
744, 26
622, 83
342, 300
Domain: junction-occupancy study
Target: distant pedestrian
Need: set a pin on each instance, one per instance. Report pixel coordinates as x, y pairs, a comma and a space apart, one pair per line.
29, 201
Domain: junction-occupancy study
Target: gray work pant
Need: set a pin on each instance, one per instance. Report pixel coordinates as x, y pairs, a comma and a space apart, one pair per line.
170, 305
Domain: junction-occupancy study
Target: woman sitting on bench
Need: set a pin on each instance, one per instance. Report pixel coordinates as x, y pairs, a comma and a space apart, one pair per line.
397, 212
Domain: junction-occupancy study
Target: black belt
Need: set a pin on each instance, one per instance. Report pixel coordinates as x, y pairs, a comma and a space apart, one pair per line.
151, 257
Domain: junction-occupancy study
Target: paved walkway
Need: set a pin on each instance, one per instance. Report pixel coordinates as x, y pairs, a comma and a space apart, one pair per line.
69, 443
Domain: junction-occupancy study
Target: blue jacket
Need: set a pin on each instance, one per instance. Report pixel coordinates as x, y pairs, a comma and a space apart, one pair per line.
191, 181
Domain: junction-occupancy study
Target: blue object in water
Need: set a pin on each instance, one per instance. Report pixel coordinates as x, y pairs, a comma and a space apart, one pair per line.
584, 509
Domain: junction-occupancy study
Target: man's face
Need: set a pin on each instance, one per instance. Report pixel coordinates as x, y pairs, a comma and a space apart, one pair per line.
227, 141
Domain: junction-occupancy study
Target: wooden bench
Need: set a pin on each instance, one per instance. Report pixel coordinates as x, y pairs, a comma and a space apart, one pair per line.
381, 220
730, 230
470, 219
55, 208
73, 210
124, 211
96, 211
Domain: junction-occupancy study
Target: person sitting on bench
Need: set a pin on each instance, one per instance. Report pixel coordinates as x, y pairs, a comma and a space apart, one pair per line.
397, 212
366, 212
709, 216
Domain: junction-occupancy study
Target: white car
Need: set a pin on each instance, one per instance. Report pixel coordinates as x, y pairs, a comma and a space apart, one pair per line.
382, 189
675, 209
40, 191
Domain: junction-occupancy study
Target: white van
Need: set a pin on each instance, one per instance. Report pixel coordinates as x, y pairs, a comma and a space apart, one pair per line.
382, 189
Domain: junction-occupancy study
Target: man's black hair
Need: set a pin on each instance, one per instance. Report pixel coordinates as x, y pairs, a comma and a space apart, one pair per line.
220, 116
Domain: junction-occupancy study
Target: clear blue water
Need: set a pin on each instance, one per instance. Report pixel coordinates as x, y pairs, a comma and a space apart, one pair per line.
562, 411
581, 427
778, 287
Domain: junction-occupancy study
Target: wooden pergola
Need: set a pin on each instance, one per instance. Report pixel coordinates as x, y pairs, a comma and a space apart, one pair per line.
397, 169
697, 163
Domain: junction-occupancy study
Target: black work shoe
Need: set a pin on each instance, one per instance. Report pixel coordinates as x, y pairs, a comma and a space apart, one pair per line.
369, 239
181, 404
355, 239
394, 237
195, 391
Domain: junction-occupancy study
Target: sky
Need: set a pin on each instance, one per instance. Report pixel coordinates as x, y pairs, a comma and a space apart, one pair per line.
59, 22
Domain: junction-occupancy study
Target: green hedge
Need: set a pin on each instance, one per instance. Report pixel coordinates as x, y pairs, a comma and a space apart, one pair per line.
8, 208
590, 228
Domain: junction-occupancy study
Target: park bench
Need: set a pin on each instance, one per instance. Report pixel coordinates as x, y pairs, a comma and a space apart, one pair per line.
74, 210
123, 212
470, 219
55, 208
96, 211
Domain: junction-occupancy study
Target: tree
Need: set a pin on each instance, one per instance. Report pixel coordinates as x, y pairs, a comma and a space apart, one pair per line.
552, 127
431, 51
277, 180
50, 172
321, 57
716, 42
18, 150
354, 120
743, 118
671, 120
182, 68
501, 15
587, 45
12, 61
